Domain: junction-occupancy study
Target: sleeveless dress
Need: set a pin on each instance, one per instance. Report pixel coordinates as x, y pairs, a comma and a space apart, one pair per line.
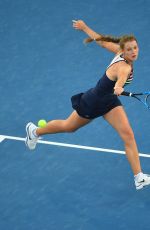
99, 100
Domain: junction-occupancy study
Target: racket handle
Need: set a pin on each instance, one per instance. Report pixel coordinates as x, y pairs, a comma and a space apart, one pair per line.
126, 94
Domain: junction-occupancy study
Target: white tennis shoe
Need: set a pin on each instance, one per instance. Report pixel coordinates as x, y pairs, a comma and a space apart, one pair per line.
142, 180
31, 139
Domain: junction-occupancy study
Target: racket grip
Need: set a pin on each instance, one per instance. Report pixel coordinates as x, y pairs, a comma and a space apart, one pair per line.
124, 93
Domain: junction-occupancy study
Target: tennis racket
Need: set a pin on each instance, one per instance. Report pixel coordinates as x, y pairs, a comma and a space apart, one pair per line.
143, 97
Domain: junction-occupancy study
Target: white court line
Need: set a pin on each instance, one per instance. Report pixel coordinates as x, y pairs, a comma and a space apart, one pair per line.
3, 137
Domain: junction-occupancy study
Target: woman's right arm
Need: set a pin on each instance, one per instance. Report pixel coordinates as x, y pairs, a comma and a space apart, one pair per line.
80, 25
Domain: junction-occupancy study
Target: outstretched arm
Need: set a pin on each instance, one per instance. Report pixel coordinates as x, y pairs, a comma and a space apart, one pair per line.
81, 25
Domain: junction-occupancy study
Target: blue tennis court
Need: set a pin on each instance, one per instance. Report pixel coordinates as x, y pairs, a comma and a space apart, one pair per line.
43, 63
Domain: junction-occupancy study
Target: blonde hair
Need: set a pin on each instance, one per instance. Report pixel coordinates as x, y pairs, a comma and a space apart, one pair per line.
119, 40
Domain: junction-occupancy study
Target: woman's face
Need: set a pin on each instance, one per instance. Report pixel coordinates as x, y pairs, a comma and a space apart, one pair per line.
131, 51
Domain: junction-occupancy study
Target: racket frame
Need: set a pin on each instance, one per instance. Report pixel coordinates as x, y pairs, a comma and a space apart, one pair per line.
135, 95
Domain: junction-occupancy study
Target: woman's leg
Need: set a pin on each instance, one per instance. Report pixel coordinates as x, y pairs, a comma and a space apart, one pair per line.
118, 119
71, 124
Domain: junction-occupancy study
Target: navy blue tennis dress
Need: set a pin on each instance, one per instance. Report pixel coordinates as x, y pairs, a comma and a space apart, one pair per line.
99, 100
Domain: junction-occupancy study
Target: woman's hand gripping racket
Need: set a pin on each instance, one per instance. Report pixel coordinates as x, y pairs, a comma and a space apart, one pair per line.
143, 97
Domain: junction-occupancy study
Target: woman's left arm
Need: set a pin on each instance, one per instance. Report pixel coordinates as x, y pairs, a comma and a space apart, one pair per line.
81, 25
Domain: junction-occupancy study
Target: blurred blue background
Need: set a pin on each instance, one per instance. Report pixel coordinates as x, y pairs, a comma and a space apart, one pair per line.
43, 63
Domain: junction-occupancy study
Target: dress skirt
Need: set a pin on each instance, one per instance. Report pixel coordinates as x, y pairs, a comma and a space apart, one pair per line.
90, 105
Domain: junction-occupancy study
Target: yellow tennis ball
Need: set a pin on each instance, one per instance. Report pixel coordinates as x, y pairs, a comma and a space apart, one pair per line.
42, 123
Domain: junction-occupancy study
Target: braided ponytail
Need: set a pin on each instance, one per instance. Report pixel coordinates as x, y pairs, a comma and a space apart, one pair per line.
107, 38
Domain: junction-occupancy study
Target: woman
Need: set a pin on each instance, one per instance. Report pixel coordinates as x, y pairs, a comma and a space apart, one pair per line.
102, 100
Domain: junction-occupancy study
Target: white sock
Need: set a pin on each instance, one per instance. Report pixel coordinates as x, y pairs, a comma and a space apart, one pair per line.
34, 133
136, 177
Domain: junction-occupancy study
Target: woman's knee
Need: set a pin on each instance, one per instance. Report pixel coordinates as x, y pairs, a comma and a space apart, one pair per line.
74, 122
127, 134
69, 128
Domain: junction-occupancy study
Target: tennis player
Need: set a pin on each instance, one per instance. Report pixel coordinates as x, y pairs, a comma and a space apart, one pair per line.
102, 100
